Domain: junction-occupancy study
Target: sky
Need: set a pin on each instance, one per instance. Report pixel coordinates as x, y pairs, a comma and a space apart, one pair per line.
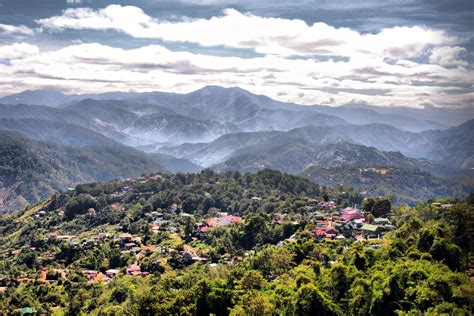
414, 53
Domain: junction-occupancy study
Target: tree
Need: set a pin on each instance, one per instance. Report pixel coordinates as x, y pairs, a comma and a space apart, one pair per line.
79, 205
251, 280
274, 261
378, 207
425, 239
311, 301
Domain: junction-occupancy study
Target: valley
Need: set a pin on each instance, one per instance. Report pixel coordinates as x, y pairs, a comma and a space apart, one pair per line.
229, 129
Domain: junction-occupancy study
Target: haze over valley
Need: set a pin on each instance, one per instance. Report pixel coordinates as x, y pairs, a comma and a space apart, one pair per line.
228, 129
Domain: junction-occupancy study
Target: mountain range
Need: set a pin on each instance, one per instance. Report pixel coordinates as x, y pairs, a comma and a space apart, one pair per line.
451, 149
94, 137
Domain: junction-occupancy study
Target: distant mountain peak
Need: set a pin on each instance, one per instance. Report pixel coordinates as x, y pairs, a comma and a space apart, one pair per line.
36, 97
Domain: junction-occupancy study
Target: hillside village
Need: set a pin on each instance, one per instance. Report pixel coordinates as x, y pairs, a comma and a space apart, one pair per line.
326, 221
97, 233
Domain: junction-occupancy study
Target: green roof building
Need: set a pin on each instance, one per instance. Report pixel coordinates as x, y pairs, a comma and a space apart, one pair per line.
381, 221
370, 229
28, 311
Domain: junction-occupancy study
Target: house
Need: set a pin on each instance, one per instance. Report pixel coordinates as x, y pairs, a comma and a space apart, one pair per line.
319, 232
125, 238
204, 229
151, 248
135, 249
136, 240
349, 214
28, 311
112, 272
95, 276
129, 245
229, 219
330, 229
343, 228
134, 270
199, 259
100, 277
65, 237
381, 221
370, 230
212, 223
90, 273
52, 275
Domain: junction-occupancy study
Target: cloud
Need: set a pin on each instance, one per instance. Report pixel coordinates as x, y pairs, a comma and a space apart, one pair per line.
18, 50
297, 62
16, 30
266, 35
95, 67
448, 56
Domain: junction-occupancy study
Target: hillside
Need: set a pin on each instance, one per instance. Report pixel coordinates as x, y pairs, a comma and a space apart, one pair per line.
410, 186
32, 170
174, 164
294, 157
439, 146
371, 115
233, 244
207, 154
454, 146
57, 132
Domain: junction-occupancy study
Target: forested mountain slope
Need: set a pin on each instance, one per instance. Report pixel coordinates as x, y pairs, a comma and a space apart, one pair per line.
32, 170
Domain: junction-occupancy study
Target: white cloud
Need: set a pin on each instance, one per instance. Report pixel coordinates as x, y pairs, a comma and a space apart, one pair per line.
403, 66
17, 50
16, 30
99, 68
266, 35
448, 56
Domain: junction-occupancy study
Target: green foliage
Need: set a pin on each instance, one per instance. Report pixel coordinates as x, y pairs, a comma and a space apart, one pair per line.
252, 268
379, 207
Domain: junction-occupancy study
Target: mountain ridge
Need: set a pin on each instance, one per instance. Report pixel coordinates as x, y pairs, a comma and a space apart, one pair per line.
405, 118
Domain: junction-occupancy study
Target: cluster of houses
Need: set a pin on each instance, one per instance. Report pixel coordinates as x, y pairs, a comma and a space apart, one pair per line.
328, 222
222, 219
337, 224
